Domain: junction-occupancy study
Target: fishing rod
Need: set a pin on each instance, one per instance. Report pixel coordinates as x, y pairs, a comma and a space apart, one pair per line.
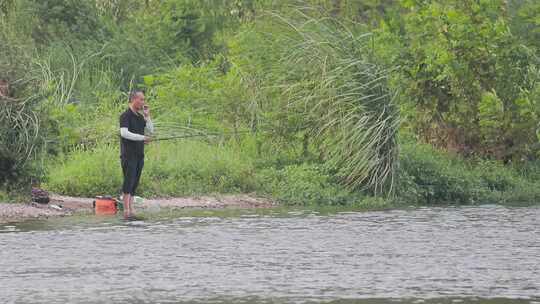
166, 138
195, 135
167, 131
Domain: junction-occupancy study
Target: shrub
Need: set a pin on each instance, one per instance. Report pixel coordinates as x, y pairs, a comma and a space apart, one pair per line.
430, 176
304, 184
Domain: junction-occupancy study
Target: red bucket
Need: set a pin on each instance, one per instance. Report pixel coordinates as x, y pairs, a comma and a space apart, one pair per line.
105, 206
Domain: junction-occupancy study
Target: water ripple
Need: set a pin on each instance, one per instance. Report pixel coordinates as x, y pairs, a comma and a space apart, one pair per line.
436, 255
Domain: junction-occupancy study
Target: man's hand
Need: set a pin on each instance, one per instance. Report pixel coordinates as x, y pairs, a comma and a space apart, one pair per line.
147, 139
146, 111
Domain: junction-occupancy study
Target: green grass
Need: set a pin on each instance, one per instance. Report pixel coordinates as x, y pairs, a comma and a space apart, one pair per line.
171, 169
86, 173
187, 168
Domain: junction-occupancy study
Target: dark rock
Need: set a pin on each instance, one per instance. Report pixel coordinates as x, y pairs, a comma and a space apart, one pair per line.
40, 196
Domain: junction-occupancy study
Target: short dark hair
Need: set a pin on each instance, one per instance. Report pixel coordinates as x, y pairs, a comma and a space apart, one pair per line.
134, 93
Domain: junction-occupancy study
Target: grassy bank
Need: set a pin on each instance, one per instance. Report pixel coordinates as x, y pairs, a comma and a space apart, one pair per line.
431, 177
183, 168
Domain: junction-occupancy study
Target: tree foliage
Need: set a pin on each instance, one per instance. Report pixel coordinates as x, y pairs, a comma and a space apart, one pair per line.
469, 81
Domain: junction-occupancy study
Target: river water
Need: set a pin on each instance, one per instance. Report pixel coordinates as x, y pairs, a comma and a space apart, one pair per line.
486, 254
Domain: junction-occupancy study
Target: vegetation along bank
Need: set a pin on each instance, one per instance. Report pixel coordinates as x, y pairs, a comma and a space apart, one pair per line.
375, 105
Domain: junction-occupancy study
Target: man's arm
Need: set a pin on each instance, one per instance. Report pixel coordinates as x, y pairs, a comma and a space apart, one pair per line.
124, 132
149, 125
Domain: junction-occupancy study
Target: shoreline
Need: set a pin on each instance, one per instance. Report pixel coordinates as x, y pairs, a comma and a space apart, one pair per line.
69, 205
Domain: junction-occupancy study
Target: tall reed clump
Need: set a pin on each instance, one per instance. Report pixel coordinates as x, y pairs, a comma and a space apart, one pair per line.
345, 99
19, 138
20, 119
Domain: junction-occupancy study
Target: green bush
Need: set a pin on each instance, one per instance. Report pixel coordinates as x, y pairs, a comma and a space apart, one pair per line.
375, 203
304, 184
529, 170
496, 176
440, 178
510, 184
506, 184
4, 197
15, 195
430, 176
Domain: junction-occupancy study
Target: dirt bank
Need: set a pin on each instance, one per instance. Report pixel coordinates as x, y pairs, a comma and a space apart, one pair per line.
67, 205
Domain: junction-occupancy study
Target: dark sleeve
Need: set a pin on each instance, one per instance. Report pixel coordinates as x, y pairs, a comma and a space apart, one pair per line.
124, 121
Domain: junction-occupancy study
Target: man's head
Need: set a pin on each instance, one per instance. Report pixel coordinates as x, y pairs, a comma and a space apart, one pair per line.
136, 100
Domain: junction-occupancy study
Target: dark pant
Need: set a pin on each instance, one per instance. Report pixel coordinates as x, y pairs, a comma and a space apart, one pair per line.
132, 169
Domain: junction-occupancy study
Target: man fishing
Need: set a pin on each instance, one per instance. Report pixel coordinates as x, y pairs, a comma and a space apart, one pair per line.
132, 129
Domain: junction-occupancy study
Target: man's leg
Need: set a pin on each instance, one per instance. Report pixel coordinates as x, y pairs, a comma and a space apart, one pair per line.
140, 165
129, 168
138, 171
127, 204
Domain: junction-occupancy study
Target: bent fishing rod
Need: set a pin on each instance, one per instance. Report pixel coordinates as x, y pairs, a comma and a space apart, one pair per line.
173, 137
195, 135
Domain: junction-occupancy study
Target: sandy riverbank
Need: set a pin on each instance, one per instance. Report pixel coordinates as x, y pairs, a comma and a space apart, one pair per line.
71, 205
